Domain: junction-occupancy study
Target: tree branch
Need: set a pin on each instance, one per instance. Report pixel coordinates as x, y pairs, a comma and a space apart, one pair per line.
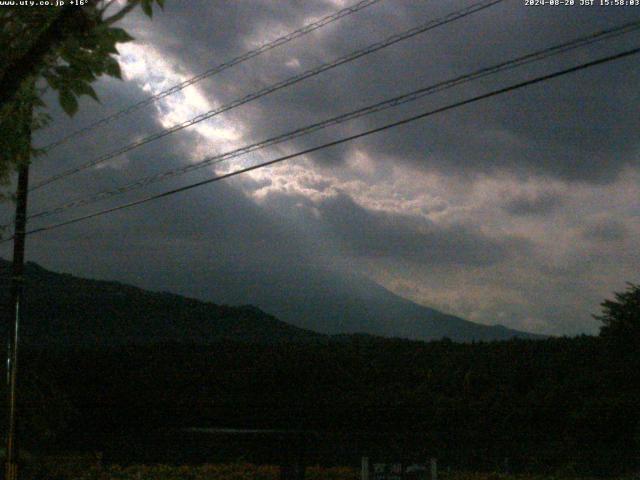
122, 13
106, 6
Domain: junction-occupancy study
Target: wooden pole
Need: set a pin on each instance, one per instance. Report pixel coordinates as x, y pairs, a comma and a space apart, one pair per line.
17, 288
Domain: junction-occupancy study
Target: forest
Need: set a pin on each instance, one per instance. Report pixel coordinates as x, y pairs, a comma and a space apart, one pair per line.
540, 405
257, 390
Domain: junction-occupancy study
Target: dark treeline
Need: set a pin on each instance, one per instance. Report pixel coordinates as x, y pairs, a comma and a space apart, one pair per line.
560, 403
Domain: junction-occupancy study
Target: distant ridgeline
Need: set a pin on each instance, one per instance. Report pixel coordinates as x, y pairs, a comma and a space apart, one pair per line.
65, 310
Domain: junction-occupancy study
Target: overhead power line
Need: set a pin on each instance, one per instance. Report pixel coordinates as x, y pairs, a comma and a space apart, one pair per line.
583, 41
306, 29
387, 126
452, 17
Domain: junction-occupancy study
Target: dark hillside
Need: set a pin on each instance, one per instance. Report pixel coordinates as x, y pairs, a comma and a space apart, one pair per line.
62, 309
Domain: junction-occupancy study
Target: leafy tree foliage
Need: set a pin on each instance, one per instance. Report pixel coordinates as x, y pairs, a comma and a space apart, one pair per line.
545, 404
15, 125
68, 47
621, 317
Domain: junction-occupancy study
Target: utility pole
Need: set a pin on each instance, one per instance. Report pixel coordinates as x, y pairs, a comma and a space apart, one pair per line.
17, 287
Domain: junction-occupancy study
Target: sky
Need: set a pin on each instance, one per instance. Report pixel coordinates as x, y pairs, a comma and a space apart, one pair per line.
521, 209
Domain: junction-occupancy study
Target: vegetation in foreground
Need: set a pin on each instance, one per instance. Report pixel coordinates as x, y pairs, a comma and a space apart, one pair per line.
559, 404
247, 471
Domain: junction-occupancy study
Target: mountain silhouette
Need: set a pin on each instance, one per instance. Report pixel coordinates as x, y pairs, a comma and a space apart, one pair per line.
332, 302
64, 310
308, 305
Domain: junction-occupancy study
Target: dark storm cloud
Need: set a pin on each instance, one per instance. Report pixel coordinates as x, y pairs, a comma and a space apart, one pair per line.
607, 230
383, 235
553, 129
217, 219
196, 243
541, 204
152, 158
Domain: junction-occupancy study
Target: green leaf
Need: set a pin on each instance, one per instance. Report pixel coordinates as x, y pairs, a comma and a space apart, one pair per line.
81, 72
83, 88
120, 35
68, 102
107, 45
54, 81
112, 67
147, 8
62, 70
